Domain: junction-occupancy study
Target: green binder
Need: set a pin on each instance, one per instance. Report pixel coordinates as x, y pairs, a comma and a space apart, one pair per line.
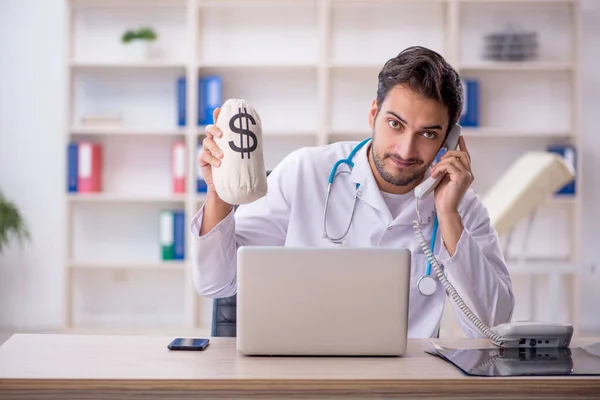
166, 239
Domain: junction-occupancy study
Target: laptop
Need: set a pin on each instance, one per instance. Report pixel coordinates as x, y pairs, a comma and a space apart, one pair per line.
322, 301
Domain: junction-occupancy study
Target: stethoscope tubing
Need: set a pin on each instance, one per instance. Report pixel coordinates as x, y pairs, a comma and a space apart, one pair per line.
348, 161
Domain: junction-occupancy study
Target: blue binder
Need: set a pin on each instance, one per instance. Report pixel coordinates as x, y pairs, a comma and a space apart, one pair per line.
201, 186
181, 101
569, 153
72, 167
179, 234
209, 98
470, 112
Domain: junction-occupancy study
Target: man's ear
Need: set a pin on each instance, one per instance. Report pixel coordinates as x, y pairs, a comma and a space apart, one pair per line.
372, 114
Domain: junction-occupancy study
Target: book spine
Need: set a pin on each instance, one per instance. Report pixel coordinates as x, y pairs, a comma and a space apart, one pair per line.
178, 167
181, 101
569, 153
470, 112
89, 175
72, 167
209, 98
179, 235
166, 235
201, 102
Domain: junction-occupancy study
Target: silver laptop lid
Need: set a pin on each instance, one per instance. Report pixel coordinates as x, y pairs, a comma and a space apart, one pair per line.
322, 301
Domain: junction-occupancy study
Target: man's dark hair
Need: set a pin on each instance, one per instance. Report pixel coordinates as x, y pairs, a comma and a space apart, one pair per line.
427, 73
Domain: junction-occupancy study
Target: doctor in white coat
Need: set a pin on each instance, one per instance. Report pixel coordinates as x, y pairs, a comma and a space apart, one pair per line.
418, 100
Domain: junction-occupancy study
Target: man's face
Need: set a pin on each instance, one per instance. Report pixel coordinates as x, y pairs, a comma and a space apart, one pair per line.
408, 131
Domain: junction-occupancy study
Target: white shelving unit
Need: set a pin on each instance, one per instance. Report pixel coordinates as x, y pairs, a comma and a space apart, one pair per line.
310, 69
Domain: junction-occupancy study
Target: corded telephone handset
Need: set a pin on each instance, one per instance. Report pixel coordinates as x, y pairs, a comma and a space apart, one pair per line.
512, 334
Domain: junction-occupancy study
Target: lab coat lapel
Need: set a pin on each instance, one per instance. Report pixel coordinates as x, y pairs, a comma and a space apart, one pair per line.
368, 189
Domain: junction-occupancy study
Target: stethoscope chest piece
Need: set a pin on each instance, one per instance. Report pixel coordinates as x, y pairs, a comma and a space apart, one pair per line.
427, 285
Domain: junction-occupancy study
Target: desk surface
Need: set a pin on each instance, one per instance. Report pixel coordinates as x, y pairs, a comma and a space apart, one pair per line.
143, 367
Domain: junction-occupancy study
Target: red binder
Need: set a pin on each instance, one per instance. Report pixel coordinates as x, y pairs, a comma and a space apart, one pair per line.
89, 170
178, 167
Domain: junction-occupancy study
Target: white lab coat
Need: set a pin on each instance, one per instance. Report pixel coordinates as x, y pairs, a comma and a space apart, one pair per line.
291, 214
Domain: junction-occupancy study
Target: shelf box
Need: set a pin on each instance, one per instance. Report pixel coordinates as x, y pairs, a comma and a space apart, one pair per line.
518, 66
273, 94
368, 34
135, 170
512, 133
124, 233
124, 131
115, 265
533, 102
245, 34
145, 99
98, 29
117, 198
551, 20
125, 64
134, 296
354, 92
355, 66
258, 65
260, 4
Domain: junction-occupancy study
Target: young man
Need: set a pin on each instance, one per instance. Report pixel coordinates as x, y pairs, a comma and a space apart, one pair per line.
419, 99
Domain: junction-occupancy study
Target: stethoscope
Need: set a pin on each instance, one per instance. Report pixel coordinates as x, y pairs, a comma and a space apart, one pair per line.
426, 284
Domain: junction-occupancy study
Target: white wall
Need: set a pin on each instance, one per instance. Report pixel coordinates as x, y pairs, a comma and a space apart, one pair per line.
32, 109
31, 125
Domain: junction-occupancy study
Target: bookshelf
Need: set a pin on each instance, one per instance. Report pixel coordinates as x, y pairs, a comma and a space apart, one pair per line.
310, 69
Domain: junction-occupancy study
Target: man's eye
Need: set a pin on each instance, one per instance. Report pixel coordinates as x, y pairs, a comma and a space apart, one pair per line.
394, 124
429, 135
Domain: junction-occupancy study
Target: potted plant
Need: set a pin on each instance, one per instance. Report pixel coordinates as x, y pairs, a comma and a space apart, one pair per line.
139, 41
12, 223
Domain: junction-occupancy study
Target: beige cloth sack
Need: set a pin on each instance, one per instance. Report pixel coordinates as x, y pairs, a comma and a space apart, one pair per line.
241, 178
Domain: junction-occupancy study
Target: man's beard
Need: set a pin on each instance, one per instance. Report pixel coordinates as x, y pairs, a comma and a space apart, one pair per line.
403, 180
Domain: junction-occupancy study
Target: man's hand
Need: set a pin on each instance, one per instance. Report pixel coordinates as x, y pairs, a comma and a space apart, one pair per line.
215, 209
211, 154
448, 194
457, 166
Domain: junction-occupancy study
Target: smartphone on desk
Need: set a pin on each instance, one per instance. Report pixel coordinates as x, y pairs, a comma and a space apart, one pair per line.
192, 344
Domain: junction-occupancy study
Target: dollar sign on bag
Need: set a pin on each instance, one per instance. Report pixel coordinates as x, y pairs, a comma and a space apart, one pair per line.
245, 133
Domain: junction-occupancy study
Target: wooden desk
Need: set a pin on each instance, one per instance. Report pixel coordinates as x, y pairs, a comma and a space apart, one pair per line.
141, 367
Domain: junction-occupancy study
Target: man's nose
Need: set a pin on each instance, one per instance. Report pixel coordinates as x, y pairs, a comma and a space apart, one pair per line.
407, 146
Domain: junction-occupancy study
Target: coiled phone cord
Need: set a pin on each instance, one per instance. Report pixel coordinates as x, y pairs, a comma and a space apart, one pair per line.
497, 339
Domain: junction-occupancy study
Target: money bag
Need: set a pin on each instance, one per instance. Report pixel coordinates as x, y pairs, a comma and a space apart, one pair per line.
241, 178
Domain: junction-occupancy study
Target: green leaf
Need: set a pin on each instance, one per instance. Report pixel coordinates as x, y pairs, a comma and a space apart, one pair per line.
147, 33
12, 224
128, 36
144, 33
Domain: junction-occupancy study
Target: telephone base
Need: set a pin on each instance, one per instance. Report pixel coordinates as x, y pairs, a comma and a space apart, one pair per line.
528, 334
